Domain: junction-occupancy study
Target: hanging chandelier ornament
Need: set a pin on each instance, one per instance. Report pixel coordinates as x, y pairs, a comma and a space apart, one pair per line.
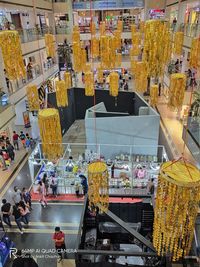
83, 59
178, 43
133, 29
141, 75
176, 208
94, 47
75, 35
68, 80
93, 28
177, 90
77, 56
102, 28
154, 94
50, 133
89, 84
50, 45
118, 60
33, 98
61, 94
114, 84
12, 54
120, 25
195, 53
98, 186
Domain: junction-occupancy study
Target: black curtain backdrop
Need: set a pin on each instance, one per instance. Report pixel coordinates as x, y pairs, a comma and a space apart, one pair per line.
126, 102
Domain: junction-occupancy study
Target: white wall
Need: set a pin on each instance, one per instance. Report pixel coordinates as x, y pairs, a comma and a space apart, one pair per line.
131, 130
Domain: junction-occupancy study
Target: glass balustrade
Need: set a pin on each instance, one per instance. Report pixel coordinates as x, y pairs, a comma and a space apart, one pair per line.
33, 34
190, 30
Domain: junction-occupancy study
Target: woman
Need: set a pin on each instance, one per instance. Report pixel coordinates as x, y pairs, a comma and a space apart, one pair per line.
10, 151
54, 185
24, 211
42, 191
18, 217
46, 183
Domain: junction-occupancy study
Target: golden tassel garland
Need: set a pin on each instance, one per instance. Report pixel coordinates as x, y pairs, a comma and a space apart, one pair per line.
83, 57
120, 25
33, 98
98, 186
114, 84
178, 43
89, 84
133, 29
61, 94
50, 133
154, 94
102, 28
50, 45
177, 90
77, 56
93, 28
94, 47
12, 54
68, 80
75, 35
141, 75
176, 208
195, 53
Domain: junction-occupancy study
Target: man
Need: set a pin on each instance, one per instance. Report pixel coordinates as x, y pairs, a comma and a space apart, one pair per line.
84, 184
6, 211
16, 140
59, 239
17, 196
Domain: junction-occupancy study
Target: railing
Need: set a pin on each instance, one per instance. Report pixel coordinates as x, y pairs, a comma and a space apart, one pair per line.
62, 30
190, 30
111, 28
33, 34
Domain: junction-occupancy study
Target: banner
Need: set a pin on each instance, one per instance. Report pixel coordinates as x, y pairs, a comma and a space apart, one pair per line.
27, 123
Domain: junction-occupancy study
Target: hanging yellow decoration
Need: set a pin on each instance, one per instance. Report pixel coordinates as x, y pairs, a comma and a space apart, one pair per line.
33, 98
50, 133
12, 54
157, 47
117, 39
133, 66
142, 26
98, 186
105, 51
133, 29
114, 83
135, 51
77, 56
94, 47
68, 80
154, 94
83, 59
100, 75
177, 90
176, 207
120, 25
102, 28
61, 94
178, 43
195, 53
136, 38
118, 60
88, 67
93, 28
141, 75
75, 35
89, 84
50, 45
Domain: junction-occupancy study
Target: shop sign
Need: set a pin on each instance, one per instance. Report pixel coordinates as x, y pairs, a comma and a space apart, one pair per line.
104, 5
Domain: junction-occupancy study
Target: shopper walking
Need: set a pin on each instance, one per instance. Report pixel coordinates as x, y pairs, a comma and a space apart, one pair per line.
10, 151
17, 196
16, 140
24, 211
59, 239
26, 196
23, 139
18, 218
6, 212
42, 191
84, 184
46, 183
54, 185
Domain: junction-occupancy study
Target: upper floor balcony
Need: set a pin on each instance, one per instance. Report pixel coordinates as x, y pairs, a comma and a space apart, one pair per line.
33, 34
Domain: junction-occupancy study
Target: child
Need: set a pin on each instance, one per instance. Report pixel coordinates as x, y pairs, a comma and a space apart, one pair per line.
27, 143
77, 186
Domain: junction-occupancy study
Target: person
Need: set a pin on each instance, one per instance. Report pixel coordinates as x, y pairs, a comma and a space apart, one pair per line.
125, 86
18, 218
16, 140
29, 261
10, 151
4, 167
54, 185
177, 65
6, 212
17, 196
29, 71
42, 191
27, 143
32, 143
76, 187
46, 183
59, 239
19, 260
24, 211
84, 184
26, 196
23, 139
150, 187
7, 79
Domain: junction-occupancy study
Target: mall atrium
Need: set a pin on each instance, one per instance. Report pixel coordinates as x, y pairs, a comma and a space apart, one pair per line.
100, 133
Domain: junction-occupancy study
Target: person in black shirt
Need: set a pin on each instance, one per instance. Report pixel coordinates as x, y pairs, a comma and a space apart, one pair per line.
6, 211
18, 218
19, 260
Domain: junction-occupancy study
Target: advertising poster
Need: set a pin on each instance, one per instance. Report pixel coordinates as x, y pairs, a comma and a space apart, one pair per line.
27, 123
